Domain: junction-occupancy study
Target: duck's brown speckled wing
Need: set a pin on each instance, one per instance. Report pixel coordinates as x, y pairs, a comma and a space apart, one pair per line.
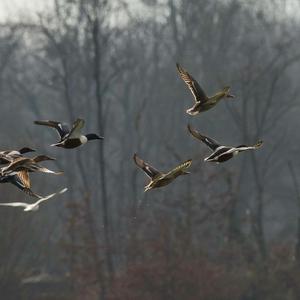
149, 170
22, 181
23, 176
193, 85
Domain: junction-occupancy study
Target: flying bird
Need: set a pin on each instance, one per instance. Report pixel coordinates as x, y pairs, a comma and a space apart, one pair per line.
28, 164
159, 179
221, 153
70, 138
32, 206
202, 101
9, 155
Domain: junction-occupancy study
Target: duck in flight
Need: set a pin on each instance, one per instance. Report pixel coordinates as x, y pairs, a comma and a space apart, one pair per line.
221, 153
32, 206
159, 179
70, 138
9, 155
28, 164
202, 101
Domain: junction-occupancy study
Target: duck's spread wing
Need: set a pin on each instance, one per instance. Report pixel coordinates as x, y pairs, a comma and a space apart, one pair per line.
76, 129
149, 170
193, 85
61, 128
211, 143
22, 181
14, 204
23, 177
51, 196
179, 169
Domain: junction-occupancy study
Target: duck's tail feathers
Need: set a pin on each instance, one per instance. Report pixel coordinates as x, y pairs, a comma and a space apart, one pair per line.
44, 198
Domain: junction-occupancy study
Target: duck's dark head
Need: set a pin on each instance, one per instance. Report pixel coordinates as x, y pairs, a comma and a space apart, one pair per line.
258, 144
26, 150
226, 91
42, 158
93, 136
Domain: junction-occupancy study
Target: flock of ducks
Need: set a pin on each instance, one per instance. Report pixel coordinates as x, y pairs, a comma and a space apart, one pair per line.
16, 167
220, 153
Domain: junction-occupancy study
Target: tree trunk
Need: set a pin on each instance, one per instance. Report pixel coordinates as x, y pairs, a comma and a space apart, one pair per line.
103, 185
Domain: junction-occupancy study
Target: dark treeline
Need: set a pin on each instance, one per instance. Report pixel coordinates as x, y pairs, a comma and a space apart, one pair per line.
228, 231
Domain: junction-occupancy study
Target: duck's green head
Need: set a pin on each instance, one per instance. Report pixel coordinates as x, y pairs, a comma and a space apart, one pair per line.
258, 144
226, 91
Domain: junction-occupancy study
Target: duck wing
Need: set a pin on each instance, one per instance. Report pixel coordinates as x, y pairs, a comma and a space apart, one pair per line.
149, 170
76, 129
23, 177
15, 204
61, 128
22, 181
193, 85
51, 196
212, 144
179, 169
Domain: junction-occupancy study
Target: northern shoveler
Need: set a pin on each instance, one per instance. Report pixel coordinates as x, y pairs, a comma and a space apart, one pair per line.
70, 138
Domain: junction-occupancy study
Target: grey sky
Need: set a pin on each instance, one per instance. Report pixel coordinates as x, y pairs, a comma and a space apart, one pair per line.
16, 9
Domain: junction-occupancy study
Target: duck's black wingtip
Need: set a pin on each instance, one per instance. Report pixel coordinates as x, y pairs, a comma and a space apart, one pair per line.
136, 159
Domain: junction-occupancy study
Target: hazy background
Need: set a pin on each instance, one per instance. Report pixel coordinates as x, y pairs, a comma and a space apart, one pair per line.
229, 231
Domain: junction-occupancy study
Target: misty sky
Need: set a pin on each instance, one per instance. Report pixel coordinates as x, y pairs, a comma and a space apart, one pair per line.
15, 9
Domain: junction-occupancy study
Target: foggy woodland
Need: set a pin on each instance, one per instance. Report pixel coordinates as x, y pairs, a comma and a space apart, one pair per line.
227, 231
